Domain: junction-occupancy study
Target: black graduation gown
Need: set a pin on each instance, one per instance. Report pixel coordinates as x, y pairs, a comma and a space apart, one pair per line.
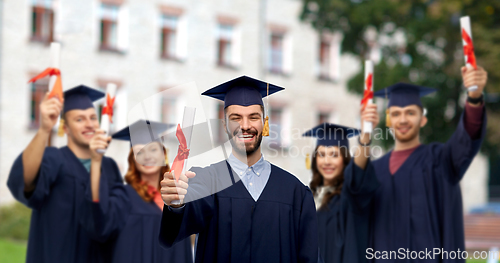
420, 207
280, 227
343, 225
57, 229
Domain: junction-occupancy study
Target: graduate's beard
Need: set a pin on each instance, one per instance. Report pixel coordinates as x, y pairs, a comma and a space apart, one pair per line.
243, 149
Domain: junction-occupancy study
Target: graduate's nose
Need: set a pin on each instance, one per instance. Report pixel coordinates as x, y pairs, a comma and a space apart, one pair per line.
245, 124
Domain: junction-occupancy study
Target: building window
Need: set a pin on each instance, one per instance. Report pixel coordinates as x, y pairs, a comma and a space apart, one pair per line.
275, 127
276, 53
109, 27
323, 117
324, 60
225, 45
169, 24
42, 26
222, 136
38, 91
168, 110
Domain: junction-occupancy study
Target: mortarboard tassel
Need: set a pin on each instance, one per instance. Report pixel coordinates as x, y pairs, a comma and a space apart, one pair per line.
60, 130
387, 113
308, 162
387, 118
265, 130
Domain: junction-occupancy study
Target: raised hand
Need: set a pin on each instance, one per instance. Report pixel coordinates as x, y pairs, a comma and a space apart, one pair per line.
172, 190
474, 77
50, 109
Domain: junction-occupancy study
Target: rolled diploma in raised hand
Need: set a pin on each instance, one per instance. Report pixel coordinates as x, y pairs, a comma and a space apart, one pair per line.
187, 130
469, 56
368, 94
107, 113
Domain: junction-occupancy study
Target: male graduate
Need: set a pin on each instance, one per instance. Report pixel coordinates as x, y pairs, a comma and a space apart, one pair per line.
52, 182
265, 215
417, 210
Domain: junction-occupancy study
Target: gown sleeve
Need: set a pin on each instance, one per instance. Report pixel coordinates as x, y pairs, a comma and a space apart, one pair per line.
105, 218
457, 153
359, 186
50, 168
192, 218
308, 230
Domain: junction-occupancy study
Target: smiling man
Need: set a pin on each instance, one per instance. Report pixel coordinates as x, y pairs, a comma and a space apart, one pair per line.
52, 182
418, 206
243, 208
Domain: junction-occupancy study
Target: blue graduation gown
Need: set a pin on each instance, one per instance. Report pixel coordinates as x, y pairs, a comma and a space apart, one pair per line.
137, 240
343, 225
420, 206
280, 227
57, 230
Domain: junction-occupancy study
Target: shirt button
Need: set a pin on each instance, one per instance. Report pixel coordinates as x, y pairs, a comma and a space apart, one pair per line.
241, 172
250, 184
258, 173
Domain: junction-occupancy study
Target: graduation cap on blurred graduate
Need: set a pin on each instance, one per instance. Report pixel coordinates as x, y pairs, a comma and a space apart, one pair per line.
143, 132
78, 98
329, 134
402, 95
244, 91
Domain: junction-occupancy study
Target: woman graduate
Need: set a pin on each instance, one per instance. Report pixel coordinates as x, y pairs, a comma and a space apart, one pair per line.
137, 233
343, 189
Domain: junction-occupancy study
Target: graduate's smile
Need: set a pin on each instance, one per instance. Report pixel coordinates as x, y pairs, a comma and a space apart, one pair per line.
404, 129
88, 134
246, 137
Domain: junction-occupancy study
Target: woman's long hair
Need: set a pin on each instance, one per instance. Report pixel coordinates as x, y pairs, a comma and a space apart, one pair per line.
133, 176
338, 181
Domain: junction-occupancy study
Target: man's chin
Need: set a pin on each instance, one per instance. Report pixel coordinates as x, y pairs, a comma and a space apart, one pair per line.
405, 137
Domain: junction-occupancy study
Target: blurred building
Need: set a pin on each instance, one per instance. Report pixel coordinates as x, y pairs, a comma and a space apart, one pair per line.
148, 46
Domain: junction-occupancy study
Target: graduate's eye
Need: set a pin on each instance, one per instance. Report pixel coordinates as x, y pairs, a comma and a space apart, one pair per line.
395, 114
79, 119
93, 118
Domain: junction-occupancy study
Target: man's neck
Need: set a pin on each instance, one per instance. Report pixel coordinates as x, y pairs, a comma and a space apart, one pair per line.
249, 159
401, 146
78, 151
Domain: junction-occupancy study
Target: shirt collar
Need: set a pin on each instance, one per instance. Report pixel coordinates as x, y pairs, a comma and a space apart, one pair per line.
240, 167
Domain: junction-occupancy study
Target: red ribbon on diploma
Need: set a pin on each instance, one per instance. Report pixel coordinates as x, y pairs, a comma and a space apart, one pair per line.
108, 109
469, 49
182, 153
368, 94
57, 90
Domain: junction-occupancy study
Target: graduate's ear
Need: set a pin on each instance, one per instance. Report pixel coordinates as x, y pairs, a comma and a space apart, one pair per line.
423, 121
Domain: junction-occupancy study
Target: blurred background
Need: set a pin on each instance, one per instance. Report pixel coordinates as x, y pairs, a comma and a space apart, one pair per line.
314, 49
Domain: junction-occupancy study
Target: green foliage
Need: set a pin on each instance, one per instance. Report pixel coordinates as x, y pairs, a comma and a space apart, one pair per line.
15, 220
431, 54
12, 252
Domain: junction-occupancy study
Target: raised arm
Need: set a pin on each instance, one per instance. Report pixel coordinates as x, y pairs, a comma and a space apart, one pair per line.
368, 113
458, 152
50, 110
